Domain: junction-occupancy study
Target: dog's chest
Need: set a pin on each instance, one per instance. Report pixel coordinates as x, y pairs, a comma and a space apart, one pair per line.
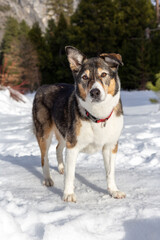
93, 136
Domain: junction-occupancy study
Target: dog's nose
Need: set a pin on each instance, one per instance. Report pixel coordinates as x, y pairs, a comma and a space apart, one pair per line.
95, 93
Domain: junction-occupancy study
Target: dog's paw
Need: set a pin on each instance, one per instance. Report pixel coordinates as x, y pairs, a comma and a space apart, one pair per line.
117, 194
48, 182
61, 168
69, 198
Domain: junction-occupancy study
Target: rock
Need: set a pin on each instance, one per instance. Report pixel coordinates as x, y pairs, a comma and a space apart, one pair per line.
29, 10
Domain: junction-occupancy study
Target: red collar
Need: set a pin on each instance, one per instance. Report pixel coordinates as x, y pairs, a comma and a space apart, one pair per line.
94, 119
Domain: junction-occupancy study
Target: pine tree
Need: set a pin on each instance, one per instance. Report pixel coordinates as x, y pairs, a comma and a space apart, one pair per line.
155, 53
56, 8
132, 18
44, 54
23, 28
93, 26
51, 51
57, 38
29, 64
20, 59
11, 32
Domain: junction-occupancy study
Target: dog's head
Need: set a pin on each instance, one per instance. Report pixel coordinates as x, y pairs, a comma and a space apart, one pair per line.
95, 78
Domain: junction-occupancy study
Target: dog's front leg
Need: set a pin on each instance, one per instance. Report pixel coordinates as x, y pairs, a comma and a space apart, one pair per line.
70, 163
109, 156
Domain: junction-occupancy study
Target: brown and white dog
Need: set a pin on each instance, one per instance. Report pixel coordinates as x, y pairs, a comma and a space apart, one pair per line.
85, 117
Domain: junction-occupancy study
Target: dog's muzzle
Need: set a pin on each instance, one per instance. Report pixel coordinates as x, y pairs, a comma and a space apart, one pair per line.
95, 94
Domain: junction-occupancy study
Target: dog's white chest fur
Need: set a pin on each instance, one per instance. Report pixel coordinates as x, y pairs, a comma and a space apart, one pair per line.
93, 136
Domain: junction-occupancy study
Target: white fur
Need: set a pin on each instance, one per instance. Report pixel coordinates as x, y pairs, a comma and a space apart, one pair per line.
71, 156
94, 136
109, 163
59, 154
46, 173
109, 160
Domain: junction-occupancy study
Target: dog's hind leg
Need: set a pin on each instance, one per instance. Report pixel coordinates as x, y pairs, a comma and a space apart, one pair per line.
59, 150
59, 153
44, 144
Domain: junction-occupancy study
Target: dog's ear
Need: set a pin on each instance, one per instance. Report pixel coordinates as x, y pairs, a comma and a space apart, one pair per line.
75, 58
113, 60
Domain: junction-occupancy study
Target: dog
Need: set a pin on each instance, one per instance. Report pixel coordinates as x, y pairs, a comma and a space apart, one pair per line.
85, 117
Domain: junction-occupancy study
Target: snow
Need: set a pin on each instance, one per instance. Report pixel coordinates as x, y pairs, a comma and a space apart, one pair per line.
30, 211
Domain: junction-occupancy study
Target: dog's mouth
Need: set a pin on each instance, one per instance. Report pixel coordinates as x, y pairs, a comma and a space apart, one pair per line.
96, 100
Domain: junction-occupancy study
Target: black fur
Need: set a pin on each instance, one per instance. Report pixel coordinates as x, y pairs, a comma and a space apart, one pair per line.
56, 103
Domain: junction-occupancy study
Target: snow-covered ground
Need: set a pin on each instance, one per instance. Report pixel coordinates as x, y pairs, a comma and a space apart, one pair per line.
29, 210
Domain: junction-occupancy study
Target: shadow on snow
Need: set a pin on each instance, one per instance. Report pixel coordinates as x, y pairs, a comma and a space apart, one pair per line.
32, 163
142, 229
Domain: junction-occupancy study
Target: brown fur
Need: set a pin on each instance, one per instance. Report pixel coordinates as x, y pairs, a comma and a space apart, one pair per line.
42, 146
115, 149
57, 133
87, 72
118, 109
73, 67
114, 55
112, 86
78, 127
99, 70
71, 144
82, 91
42, 141
118, 56
102, 81
90, 84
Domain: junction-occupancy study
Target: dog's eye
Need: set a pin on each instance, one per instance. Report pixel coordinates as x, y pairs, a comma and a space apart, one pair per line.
103, 74
85, 77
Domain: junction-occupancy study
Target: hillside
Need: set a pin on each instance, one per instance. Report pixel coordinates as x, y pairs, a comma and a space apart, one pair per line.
29, 10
